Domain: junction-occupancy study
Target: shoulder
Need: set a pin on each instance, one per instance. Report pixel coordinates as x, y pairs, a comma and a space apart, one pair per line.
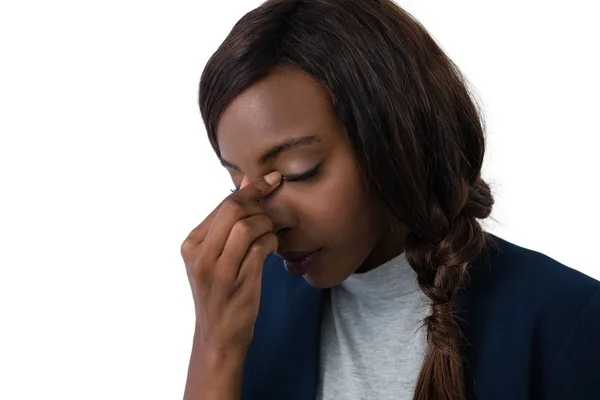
505, 270
533, 313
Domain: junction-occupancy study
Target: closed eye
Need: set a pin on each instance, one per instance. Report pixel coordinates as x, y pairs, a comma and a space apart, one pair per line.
297, 178
304, 176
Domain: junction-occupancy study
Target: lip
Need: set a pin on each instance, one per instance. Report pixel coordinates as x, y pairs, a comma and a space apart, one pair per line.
290, 255
299, 262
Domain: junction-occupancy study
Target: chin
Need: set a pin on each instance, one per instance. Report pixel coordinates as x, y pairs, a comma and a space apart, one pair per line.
318, 281
324, 278
322, 271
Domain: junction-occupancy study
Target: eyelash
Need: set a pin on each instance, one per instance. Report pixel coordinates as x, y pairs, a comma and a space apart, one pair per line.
297, 178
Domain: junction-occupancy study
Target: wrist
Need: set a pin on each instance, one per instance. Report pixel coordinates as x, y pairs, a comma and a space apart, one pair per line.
214, 373
219, 358
217, 352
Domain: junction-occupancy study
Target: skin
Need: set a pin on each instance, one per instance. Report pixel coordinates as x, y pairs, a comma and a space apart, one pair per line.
329, 211
225, 253
223, 258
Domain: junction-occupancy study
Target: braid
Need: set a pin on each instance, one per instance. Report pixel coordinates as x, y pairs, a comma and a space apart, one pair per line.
416, 134
441, 267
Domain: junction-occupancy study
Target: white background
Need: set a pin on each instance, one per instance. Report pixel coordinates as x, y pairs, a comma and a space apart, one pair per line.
105, 167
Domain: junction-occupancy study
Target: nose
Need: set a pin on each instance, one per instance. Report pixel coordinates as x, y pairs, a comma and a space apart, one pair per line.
276, 207
279, 208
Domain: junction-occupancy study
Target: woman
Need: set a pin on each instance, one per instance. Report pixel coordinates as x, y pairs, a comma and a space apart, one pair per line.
356, 151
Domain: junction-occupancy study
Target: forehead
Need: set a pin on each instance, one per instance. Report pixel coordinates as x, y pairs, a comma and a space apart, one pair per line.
286, 103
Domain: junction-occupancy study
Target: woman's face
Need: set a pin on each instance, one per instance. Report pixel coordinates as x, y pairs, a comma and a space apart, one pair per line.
321, 203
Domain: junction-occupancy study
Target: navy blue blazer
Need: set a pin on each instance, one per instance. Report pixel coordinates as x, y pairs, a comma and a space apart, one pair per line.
531, 331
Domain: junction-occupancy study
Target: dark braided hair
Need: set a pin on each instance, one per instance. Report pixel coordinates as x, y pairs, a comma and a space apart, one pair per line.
415, 130
441, 266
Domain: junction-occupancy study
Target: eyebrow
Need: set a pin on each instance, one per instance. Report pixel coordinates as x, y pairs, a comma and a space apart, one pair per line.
279, 148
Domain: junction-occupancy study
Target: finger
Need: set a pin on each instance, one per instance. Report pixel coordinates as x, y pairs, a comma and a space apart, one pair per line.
251, 269
243, 234
259, 188
198, 234
239, 205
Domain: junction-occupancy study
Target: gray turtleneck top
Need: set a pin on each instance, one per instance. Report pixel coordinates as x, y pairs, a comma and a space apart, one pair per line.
371, 344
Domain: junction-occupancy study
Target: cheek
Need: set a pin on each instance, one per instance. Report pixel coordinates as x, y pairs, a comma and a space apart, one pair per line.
339, 209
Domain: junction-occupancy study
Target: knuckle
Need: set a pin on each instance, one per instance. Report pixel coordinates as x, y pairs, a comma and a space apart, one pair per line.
268, 222
262, 186
264, 245
246, 292
243, 229
256, 249
186, 248
233, 205
200, 271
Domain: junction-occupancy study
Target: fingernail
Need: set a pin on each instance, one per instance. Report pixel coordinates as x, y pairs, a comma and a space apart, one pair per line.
273, 177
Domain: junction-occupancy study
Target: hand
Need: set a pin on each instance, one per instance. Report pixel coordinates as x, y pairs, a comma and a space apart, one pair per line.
224, 257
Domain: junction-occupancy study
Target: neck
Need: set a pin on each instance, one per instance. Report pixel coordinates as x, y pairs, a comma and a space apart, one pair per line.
387, 247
